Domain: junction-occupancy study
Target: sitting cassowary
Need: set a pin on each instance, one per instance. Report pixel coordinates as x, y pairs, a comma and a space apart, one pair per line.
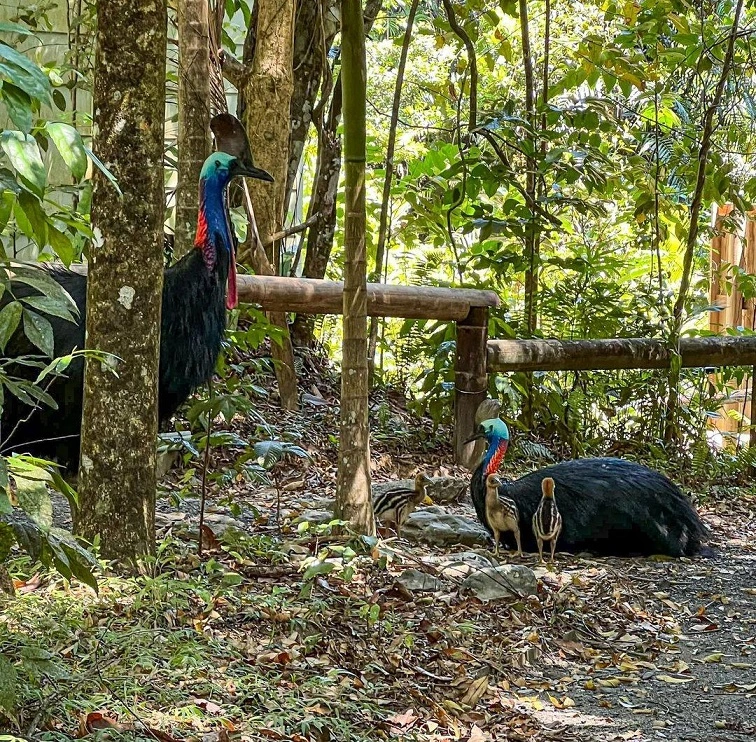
192, 326
608, 506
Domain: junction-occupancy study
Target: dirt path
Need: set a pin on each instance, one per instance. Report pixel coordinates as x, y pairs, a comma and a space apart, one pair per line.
701, 688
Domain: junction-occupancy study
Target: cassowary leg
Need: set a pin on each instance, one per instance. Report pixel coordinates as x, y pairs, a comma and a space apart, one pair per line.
496, 541
519, 542
553, 549
540, 550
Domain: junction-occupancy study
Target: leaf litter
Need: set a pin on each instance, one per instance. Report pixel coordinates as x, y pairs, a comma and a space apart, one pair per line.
242, 646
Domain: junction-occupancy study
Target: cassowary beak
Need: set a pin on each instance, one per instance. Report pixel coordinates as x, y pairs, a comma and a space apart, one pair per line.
476, 436
250, 171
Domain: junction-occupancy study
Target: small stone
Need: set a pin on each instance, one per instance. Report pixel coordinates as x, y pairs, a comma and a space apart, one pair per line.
419, 582
507, 581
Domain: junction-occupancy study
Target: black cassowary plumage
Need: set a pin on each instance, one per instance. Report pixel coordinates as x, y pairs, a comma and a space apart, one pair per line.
192, 328
609, 506
193, 318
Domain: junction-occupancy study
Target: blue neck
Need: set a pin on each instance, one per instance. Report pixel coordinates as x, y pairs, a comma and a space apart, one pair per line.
213, 208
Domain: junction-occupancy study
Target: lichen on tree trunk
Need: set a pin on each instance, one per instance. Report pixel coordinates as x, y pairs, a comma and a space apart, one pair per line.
193, 116
353, 501
124, 289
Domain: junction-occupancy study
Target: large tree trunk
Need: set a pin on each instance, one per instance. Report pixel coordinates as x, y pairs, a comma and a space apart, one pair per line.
193, 116
267, 93
353, 501
124, 289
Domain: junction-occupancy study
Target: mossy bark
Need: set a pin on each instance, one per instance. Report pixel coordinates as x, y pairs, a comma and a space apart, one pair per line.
193, 117
119, 426
353, 501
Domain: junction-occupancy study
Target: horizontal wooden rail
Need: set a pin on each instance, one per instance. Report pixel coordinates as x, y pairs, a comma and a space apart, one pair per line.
314, 296
617, 353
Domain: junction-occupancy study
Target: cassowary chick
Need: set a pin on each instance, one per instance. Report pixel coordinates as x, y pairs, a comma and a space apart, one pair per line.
547, 522
394, 506
502, 513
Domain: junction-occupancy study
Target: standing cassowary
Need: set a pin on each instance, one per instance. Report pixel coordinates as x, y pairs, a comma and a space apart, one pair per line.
608, 506
192, 326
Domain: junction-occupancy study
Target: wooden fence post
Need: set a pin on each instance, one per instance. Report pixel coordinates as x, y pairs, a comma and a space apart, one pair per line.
471, 381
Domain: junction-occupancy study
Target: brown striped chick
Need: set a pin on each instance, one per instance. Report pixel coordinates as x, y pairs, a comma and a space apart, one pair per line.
547, 521
393, 506
501, 513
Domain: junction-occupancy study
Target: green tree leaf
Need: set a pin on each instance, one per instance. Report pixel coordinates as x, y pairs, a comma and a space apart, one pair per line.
22, 72
71, 148
23, 152
10, 316
19, 106
40, 332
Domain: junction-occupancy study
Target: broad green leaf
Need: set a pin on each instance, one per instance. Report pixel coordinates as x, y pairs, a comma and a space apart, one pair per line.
318, 568
10, 316
61, 243
40, 332
7, 200
8, 683
22, 221
71, 148
49, 305
43, 282
79, 561
8, 181
19, 106
20, 71
34, 212
23, 152
8, 27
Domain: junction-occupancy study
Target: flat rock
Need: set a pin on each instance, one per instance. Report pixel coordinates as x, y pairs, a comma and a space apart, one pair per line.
314, 516
457, 566
495, 583
433, 525
419, 582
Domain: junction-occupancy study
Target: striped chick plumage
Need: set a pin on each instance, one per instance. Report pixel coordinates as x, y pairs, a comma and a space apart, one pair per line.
502, 513
547, 521
393, 506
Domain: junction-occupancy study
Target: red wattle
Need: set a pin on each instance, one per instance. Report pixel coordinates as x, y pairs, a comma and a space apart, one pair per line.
493, 464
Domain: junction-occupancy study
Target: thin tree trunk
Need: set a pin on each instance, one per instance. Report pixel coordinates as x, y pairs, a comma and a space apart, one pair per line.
471, 60
531, 242
380, 251
193, 116
124, 289
671, 432
323, 199
267, 92
316, 27
353, 502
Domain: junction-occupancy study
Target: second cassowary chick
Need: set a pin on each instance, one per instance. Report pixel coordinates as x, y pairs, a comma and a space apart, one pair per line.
547, 522
502, 513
